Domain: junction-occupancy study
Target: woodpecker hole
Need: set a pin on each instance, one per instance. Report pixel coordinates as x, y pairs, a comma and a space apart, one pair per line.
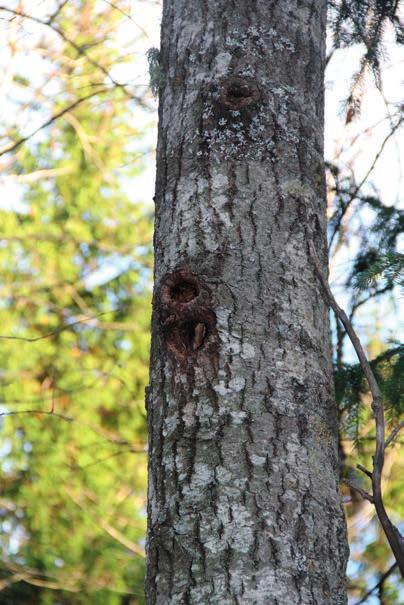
188, 337
180, 288
184, 292
237, 93
186, 317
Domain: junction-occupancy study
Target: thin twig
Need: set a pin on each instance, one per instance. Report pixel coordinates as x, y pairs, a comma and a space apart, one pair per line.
53, 16
53, 118
380, 582
365, 495
393, 434
102, 433
392, 534
364, 179
364, 470
37, 175
81, 51
57, 331
117, 8
130, 450
108, 528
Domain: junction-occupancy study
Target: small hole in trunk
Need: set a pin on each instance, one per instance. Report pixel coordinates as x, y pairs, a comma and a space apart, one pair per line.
237, 93
184, 292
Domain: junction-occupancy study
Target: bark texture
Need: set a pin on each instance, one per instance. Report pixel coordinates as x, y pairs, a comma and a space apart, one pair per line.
243, 478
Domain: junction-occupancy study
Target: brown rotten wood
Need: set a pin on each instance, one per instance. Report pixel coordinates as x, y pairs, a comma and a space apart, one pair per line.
393, 535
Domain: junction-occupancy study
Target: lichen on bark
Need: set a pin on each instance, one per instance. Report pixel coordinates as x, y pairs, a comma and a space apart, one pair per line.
243, 502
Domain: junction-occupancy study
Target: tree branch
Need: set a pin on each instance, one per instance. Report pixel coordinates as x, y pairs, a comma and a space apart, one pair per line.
393, 535
393, 434
79, 49
364, 179
380, 583
37, 175
53, 118
360, 491
111, 438
58, 330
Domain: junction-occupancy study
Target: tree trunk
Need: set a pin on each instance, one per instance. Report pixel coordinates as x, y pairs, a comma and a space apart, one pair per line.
243, 474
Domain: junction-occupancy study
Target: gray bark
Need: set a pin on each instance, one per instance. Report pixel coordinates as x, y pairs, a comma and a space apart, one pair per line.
243, 475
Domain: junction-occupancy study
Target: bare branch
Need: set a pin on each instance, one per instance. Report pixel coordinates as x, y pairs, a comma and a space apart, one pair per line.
53, 118
117, 8
58, 330
392, 534
109, 529
393, 434
53, 16
360, 491
364, 470
364, 179
79, 49
119, 537
113, 455
380, 582
102, 433
37, 175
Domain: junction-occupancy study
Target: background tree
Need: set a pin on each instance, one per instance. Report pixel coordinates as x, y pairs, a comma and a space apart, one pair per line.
75, 264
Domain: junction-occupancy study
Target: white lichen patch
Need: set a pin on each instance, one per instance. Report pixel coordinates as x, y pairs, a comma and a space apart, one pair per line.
221, 64
238, 417
202, 475
257, 41
188, 414
213, 544
205, 411
170, 424
237, 384
247, 133
297, 189
248, 351
230, 343
221, 389
222, 315
257, 460
220, 180
202, 185
223, 476
242, 529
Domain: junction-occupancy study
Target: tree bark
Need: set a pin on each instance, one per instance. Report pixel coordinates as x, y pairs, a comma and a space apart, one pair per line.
243, 501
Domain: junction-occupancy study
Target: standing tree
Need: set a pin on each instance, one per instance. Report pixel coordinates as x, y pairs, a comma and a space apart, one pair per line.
243, 478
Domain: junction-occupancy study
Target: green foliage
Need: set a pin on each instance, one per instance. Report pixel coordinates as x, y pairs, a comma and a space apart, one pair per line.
371, 269
351, 386
378, 264
75, 262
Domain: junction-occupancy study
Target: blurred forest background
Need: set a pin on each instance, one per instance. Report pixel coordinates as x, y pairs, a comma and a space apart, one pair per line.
77, 138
